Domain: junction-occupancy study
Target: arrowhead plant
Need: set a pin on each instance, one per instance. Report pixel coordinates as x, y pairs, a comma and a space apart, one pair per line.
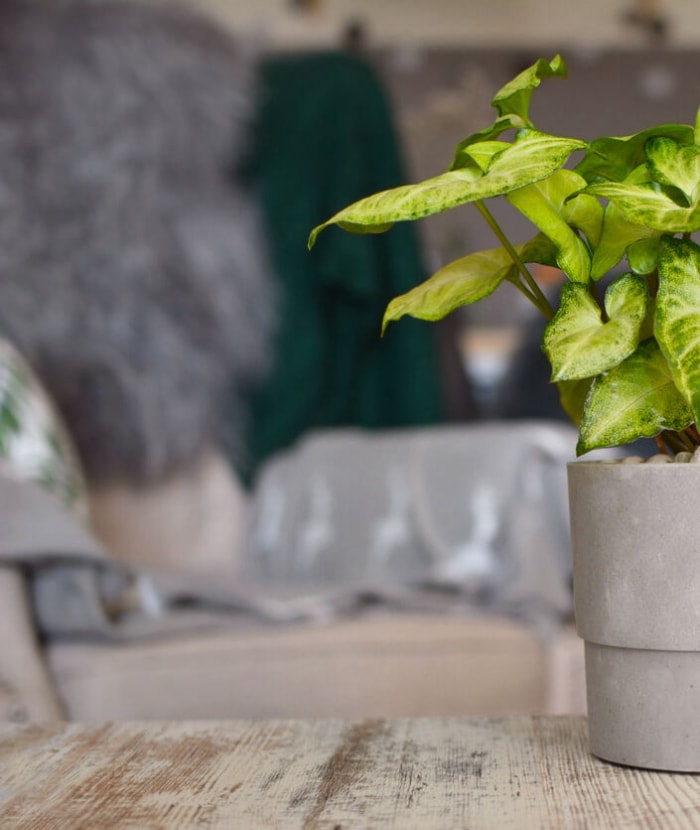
625, 357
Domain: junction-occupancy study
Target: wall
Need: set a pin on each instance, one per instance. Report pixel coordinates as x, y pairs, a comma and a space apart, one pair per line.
544, 23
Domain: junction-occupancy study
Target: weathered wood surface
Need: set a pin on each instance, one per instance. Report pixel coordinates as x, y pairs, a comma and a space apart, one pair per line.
422, 773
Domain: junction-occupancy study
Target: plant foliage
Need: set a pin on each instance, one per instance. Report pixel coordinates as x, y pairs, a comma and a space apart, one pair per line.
627, 359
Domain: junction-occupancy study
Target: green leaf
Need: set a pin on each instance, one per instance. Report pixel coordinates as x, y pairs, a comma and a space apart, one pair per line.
617, 235
499, 126
637, 399
539, 249
615, 158
381, 210
483, 153
572, 397
643, 255
645, 204
677, 323
531, 157
673, 164
462, 282
466, 281
585, 213
543, 203
577, 341
514, 97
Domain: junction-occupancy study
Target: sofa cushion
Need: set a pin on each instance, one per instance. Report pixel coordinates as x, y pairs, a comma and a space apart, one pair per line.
380, 665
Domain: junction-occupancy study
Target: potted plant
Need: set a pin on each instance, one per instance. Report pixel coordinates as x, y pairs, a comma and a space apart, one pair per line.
625, 355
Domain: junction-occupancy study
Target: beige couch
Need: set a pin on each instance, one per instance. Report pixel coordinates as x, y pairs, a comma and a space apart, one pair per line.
364, 663
377, 665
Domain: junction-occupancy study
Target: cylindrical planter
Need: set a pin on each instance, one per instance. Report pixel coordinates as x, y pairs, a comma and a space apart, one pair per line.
635, 531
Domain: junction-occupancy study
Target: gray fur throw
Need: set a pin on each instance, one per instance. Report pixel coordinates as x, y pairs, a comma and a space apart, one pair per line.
132, 272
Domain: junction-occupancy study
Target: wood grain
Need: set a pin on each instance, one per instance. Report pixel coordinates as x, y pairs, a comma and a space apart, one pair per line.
411, 773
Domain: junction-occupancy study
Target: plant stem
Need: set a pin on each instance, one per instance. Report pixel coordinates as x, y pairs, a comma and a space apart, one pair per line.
535, 293
674, 442
693, 435
523, 289
601, 305
660, 445
687, 441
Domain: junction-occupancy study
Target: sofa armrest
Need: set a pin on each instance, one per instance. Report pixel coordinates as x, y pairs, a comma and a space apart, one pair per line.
26, 690
566, 674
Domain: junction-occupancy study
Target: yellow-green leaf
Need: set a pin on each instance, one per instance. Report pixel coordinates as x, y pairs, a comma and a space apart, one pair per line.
677, 323
585, 213
515, 96
643, 254
490, 133
466, 281
544, 203
614, 158
572, 397
637, 399
617, 235
462, 282
674, 164
646, 204
531, 157
577, 341
484, 152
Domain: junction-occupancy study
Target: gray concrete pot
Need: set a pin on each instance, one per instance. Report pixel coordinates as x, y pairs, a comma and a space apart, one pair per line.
636, 544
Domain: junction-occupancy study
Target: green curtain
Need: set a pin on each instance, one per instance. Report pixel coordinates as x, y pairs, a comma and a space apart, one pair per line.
325, 137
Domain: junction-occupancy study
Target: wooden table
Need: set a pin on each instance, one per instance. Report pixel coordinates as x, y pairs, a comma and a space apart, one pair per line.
422, 773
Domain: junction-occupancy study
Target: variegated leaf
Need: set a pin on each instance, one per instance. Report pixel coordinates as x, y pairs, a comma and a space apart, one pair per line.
462, 282
512, 103
491, 133
483, 153
533, 156
637, 399
577, 341
617, 235
646, 204
643, 255
515, 96
615, 158
675, 164
585, 213
677, 323
466, 281
544, 203
572, 397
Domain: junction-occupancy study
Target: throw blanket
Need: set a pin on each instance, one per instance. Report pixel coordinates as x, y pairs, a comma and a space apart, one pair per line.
458, 519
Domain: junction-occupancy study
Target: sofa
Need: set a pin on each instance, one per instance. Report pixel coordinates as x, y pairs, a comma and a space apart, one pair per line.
451, 614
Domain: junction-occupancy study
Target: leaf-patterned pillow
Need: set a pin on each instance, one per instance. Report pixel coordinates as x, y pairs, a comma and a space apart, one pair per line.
34, 444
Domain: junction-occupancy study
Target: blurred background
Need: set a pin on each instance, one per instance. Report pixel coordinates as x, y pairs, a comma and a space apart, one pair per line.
222, 493
632, 63
454, 23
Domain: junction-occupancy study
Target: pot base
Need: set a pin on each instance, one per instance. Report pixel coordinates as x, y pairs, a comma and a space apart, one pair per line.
644, 707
